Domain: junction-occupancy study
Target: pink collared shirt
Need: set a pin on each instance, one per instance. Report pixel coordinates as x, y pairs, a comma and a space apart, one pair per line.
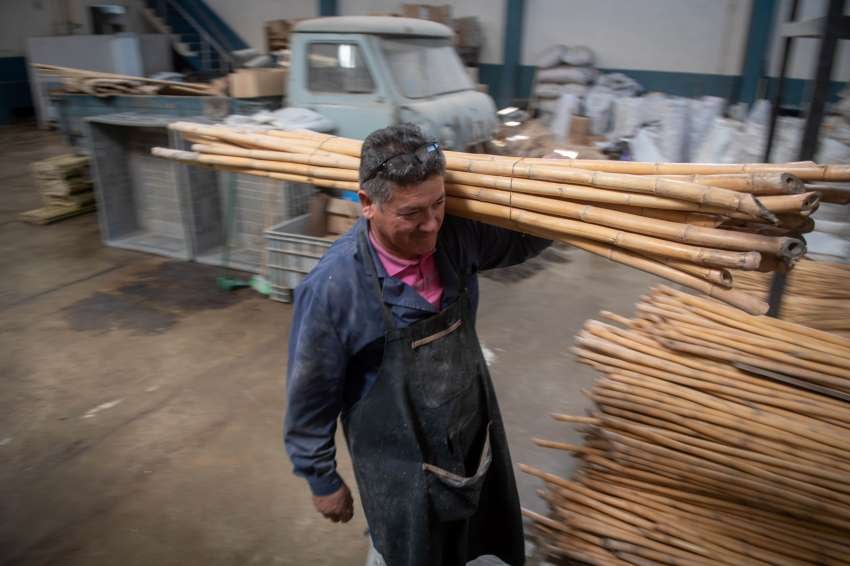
421, 274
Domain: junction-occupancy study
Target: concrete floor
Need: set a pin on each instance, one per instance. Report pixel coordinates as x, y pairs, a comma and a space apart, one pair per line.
141, 408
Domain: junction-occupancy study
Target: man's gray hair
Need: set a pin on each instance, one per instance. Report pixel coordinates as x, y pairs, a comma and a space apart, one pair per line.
387, 142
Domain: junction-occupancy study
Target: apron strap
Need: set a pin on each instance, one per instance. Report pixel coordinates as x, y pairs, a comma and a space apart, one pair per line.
365, 251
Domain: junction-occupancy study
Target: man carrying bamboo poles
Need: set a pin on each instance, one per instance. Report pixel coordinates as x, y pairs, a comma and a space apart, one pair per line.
383, 336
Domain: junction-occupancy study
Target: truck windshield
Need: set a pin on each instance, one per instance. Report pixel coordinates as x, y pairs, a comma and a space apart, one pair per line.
425, 67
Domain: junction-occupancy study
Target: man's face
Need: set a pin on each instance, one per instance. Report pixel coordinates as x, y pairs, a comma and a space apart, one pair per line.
408, 222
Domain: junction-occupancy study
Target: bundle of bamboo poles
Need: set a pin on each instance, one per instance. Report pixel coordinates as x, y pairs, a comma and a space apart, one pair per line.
817, 294
667, 220
109, 84
716, 437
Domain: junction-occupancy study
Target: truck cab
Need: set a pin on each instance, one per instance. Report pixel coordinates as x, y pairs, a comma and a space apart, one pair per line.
367, 72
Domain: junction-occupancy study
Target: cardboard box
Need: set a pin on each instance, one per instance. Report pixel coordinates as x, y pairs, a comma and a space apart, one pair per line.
579, 130
331, 217
277, 34
468, 32
251, 83
441, 14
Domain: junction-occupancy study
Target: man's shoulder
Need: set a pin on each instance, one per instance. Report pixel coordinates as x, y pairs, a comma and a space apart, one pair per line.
460, 229
460, 239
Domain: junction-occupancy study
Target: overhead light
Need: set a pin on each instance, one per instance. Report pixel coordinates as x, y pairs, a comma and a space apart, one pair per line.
517, 137
506, 111
512, 123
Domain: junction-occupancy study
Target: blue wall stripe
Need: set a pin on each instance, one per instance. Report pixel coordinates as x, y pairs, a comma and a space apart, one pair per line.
677, 84
328, 8
758, 43
507, 86
15, 97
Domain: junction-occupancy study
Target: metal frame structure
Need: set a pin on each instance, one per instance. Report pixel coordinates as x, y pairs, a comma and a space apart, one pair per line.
829, 29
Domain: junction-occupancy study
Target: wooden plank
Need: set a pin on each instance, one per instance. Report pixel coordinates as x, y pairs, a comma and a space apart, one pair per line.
53, 213
343, 207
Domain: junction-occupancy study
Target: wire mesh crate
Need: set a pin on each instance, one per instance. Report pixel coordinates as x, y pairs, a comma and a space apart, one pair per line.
249, 205
140, 206
292, 254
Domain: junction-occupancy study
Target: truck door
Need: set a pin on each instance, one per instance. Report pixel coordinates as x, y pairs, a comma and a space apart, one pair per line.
337, 76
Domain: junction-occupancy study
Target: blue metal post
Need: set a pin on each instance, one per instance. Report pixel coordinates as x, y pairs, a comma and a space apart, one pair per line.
758, 49
514, 12
327, 8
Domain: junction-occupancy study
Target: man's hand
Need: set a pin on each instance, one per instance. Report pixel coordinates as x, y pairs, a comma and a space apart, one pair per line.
338, 506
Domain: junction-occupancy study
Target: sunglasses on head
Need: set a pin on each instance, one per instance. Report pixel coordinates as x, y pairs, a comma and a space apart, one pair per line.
420, 155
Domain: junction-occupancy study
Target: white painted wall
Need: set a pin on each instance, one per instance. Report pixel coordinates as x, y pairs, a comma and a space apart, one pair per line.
21, 19
491, 13
248, 17
693, 36
805, 51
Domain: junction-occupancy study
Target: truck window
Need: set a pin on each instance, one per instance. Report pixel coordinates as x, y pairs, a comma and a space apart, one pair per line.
425, 67
338, 67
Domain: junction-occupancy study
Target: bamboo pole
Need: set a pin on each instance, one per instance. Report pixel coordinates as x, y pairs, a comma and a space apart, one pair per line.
661, 187
804, 172
744, 301
200, 88
803, 202
672, 188
523, 219
747, 390
759, 184
835, 194
579, 193
675, 213
686, 233
316, 157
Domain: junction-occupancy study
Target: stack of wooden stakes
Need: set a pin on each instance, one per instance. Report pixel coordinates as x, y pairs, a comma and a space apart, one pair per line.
817, 294
688, 459
99, 84
66, 189
688, 223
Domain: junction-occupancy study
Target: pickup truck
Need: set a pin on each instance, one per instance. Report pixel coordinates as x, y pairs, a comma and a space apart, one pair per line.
360, 72
367, 72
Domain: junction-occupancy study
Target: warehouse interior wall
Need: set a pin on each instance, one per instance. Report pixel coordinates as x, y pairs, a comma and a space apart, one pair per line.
688, 48
491, 14
697, 36
20, 20
691, 48
23, 19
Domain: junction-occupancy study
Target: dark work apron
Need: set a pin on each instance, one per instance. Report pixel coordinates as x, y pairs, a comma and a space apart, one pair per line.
428, 445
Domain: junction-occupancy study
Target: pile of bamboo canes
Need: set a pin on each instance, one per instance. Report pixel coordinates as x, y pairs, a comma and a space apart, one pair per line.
666, 219
716, 437
110, 84
817, 293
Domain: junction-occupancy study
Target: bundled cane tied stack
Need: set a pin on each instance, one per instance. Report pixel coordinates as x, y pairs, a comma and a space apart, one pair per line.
817, 294
688, 223
717, 437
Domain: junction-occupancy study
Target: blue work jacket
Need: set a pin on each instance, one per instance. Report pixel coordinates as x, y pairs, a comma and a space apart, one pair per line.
337, 336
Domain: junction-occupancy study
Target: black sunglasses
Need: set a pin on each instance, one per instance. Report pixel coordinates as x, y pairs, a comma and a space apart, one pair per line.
421, 155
